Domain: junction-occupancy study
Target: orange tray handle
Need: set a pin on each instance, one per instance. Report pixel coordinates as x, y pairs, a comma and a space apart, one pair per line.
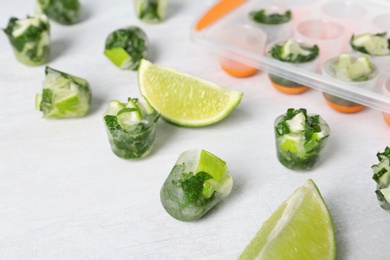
217, 11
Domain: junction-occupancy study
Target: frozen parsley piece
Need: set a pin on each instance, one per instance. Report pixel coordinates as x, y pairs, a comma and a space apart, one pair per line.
30, 39
150, 11
131, 127
63, 95
198, 181
382, 178
372, 44
65, 12
300, 138
126, 47
261, 16
294, 52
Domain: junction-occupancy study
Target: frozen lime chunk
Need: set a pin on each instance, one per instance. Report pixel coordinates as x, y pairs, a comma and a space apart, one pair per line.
372, 44
66, 12
198, 181
294, 52
119, 57
126, 47
30, 39
131, 127
63, 95
361, 68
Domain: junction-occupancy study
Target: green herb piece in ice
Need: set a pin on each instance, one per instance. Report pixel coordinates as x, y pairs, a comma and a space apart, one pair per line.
372, 44
30, 39
63, 95
197, 182
131, 127
126, 47
65, 12
349, 68
261, 16
150, 11
294, 52
300, 138
382, 178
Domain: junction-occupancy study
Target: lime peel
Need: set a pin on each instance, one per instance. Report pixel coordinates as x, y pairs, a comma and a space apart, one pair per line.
301, 228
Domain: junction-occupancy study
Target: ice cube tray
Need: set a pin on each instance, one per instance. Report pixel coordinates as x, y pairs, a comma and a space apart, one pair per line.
230, 17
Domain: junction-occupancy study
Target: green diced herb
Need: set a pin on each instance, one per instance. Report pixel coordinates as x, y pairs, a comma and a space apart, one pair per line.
277, 53
261, 16
382, 178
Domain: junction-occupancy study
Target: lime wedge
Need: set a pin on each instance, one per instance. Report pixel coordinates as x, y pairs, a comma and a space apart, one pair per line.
301, 228
118, 56
291, 47
183, 99
211, 164
360, 68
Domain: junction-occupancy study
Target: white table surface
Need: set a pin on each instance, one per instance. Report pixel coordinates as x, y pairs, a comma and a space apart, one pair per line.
65, 195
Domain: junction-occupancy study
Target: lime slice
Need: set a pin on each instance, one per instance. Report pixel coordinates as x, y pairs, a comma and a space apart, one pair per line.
361, 40
113, 108
291, 47
344, 61
119, 57
378, 46
144, 106
38, 99
139, 6
360, 68
69, 103
161, 9
128, 117
289, 145
211, 164
341, 69
374, 44
183, 99
301, 228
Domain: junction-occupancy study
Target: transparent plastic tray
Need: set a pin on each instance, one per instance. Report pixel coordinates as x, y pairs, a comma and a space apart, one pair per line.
233, 15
